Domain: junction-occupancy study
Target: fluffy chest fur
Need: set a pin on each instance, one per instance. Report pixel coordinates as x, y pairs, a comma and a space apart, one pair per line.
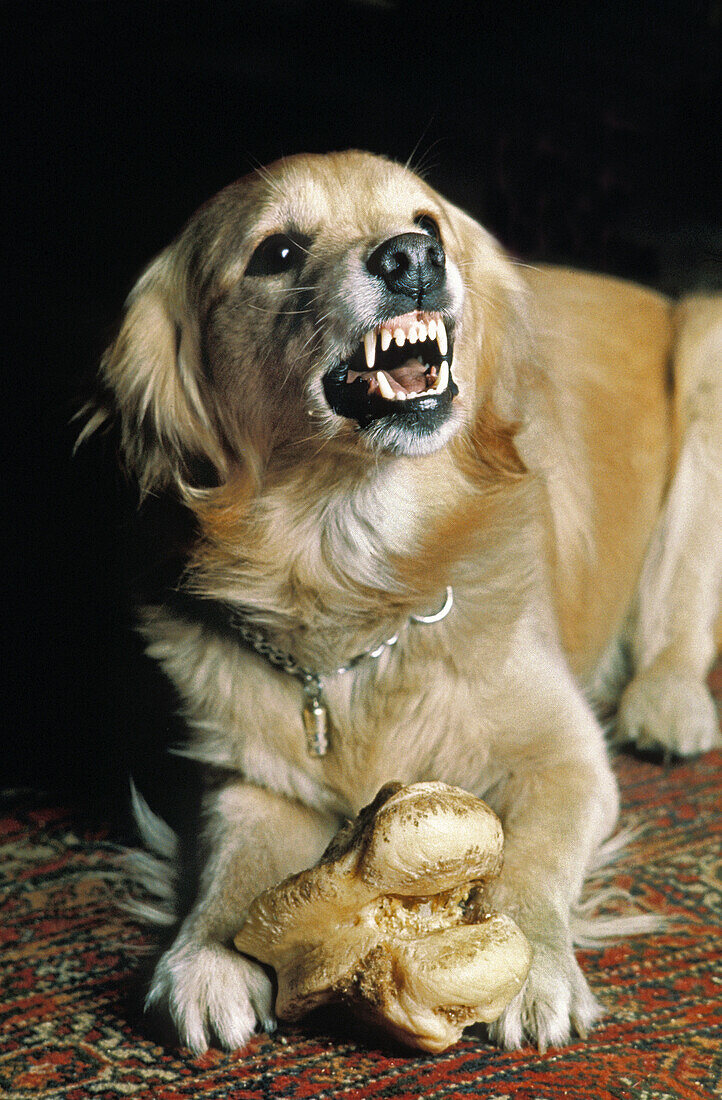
326, 584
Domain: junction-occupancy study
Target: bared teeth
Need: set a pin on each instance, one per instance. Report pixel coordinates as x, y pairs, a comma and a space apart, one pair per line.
370, 349
441, 337
383, 383
385, 386
431, 329
443, 380
417, 330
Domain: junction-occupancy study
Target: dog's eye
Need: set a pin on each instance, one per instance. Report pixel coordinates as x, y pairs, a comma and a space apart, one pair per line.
429, 225
275, 255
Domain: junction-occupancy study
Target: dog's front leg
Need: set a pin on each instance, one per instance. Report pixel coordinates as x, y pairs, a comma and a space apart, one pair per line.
556, 808
253, 839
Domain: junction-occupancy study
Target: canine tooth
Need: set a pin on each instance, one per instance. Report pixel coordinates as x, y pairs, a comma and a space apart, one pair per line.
399, 337
443, 380
442, 337
432, 330
370, 348
421, 328
385, 338
385, 387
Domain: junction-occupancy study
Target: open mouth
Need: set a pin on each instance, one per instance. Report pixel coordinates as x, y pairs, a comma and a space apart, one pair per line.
401, 369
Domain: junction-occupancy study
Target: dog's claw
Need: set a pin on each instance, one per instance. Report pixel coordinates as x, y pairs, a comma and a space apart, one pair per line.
580, 1029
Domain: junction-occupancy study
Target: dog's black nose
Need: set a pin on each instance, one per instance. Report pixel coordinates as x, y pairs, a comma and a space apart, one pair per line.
412, 264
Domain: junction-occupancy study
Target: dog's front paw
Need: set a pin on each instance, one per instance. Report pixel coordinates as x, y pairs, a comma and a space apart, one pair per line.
210, 995
554, 1003
671, 712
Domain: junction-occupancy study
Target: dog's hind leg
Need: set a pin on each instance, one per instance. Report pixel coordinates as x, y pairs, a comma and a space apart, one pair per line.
667, 704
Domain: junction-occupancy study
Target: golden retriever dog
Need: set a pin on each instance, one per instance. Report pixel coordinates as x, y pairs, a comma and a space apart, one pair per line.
447, 510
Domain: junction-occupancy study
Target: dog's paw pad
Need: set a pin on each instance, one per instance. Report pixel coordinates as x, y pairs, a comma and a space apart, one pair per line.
672, 713
392, 921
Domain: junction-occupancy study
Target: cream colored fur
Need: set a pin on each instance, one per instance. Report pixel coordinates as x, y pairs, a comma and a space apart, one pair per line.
572, 500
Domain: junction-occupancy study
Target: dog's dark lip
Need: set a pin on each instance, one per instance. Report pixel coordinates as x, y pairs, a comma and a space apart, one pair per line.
400, 369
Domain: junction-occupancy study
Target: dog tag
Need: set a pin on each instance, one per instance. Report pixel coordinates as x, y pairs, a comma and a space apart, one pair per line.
315, 720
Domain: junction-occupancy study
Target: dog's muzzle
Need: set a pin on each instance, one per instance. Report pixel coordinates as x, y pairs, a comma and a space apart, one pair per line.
402, 368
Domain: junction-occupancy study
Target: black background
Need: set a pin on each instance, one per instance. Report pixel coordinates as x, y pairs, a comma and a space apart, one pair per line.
585, 132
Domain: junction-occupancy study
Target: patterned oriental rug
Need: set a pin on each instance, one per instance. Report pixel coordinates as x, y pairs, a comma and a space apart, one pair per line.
67, 957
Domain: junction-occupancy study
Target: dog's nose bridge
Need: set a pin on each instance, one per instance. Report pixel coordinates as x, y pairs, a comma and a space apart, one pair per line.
409, 263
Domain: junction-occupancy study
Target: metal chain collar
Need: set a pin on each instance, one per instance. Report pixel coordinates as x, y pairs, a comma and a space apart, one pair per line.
315, 714
279, 658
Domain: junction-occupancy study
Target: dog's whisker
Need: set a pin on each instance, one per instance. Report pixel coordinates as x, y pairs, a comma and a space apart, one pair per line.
322, 447
317, 331
479, 295
291, 289
422, 167
262, 172
309, 340
525, 266
289, 373
279, 312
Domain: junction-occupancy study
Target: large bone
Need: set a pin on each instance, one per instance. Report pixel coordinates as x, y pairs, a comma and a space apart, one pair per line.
391, 920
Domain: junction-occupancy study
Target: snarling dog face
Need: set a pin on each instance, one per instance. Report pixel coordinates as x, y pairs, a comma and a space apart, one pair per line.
320, 302
358, 296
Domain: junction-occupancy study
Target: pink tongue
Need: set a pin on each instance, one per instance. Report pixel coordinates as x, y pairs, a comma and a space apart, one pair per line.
410, 377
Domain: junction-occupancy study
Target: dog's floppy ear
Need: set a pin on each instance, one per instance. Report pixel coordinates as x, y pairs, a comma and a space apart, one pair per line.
151, 382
